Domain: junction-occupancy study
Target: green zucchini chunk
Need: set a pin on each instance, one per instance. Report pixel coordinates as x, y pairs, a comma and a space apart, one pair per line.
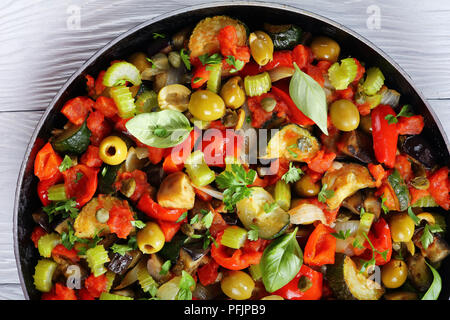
284, 36
73, 140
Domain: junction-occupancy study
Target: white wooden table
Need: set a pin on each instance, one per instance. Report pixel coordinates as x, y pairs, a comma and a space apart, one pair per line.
42, 42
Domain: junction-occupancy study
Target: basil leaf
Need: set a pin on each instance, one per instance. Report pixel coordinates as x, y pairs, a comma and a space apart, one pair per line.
309, 97
435, 287
281, 261
162, 129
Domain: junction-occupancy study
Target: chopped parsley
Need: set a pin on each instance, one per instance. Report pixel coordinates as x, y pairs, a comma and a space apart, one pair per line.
413, 216
67, 208
182, 217
325, 193
165, 268
341, 234
138, 224
268, 207
185, 284
367, 263
237, 64
427, 237
253, 233
210, 59
65, 164
185, 58
404, 112
292, 175
158, 35
79, 176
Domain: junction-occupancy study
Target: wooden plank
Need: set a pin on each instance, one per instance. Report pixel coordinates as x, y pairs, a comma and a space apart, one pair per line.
42, 47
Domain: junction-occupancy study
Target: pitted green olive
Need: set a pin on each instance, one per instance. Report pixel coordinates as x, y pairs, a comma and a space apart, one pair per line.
206, 105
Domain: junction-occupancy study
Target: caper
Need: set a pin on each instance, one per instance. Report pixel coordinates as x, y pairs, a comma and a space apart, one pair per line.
174, 59
420, 183
230, 118
268, 104
102, 215
128, 187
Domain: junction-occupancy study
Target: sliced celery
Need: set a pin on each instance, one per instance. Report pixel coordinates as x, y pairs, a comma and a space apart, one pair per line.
124, 101
57, 193
215, 77
147, 283
110, 277
341, 75
146, 102
374, 81
258, 84
111, 296
255, 271
282, 195
234, 237
197, 169
46, 244
43, 274
121, 71
365, 222
96, 258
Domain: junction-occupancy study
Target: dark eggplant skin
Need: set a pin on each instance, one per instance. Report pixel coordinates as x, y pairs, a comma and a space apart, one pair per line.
195, 249
419, 148
119, 263
358, 145
155, 175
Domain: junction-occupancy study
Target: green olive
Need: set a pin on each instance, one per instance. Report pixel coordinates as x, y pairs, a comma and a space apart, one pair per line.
150, 239
365, 124
233, 93
237, 285
206, 105
394, 273
139, 59
344, 115
401, 295
272, 297
261, 47
325, 48
402, 227
305, 187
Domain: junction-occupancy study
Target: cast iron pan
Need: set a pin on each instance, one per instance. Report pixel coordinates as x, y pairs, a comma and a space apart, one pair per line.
138, 38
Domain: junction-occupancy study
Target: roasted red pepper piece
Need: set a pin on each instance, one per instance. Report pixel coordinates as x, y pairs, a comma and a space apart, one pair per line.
177, 155
62, 252
228, 42
96, 285
291, 291
80, 183
44, 185
200, 77
119, 221
37, 233
83, 294
217, 145
77, 109
281, 58
315, 73
403, 165
321, 246
151, 208
106, 106
169, 229
384, 135
238, 260
59, 292
440, 187
91, 157
377, 171
46, 163
218, 225
410, 125
208, 273
322, 161
98, 126
380, 237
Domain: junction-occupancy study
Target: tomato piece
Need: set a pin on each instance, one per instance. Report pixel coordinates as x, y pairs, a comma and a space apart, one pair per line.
83, 294
200, 77
91, 157
322, 161
403, 165
140, 177
98, 126
440, 187
106, 106
169, 229
62, 252
96, 285
44, 185
37, 233
410, 125
208, 273
59, 292
380, 237
77, 109
154, 210
119, 221
281, 58
377, 171
301, 55
315, 73
216, 145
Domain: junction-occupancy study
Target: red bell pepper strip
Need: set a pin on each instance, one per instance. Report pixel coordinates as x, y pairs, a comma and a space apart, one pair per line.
238, 260
152, 209
208, 273
321, 246
46, 163
281, 58
44, 185
37, 233
440, 187
380, 237
301, 55
80, 183
77, 109
291, 291
91, 157
96, 285
410, 125
62, 252
119, 221
295, 115
199, 77
169, 229
377, 171
388, 194
321, 161
384, 135
99, 87
59, 292
106, 106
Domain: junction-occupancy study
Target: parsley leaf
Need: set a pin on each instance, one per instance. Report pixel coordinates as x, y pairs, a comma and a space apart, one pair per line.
292, 153
235, 184
185, 58
165, 267
383, 206
413, 216
197, 79
427, 237
185, 284
372, 261
341, 234
325, 194
79, 176
65, 208
121, 249
237, 64
292, 175
138, 224
268, 207
207, 219
253, 233
158, 35
181, 218
210, 59
404, 112
65, 164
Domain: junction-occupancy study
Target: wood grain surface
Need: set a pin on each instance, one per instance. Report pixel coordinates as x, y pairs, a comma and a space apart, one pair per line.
42, 44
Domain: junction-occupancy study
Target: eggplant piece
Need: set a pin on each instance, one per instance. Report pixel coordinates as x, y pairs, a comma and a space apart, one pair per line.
187, 262
354, 203
120, 263
363, 199
195, 250
418, 272
437, 251
230, 218
171, 250
154, 266
358, 145
155, 175
41, 218
207, 292
417, 147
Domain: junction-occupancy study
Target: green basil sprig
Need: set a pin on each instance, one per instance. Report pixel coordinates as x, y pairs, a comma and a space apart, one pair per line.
162, 129
309, 97
281, 261
435, 288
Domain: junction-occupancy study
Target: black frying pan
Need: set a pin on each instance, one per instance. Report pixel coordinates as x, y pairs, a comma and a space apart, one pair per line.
138, 38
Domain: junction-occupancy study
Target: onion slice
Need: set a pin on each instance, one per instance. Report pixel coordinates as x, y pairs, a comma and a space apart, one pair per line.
306, 213
210, 191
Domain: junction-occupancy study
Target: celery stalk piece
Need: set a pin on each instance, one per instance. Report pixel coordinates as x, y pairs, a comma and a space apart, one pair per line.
57, 193
197, 169
46, 244
283, 195
258, 84
234, 237
215, 77
121, 71
374, 81
96, 258
255, 271
124, 101
43, 274
341, 75
111, 296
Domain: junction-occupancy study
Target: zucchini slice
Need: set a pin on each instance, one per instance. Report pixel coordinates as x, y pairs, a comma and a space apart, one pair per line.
293, 143
285, 36
348, 283
73, 140
204, 37
251, 212
401, 190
